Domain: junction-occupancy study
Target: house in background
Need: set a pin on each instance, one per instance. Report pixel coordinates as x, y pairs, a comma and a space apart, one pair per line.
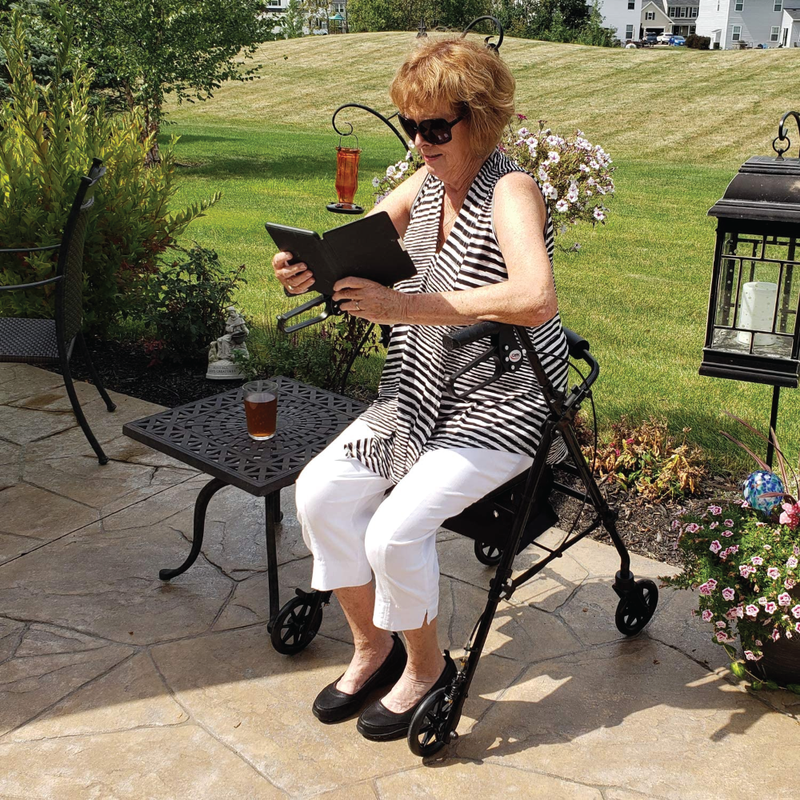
790, 27
330, 17
732, 24
634, 19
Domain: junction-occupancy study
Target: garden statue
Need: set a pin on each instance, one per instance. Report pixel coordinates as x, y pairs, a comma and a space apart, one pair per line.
221, 366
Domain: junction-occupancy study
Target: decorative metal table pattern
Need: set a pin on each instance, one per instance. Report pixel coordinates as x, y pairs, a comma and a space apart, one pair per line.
211, 435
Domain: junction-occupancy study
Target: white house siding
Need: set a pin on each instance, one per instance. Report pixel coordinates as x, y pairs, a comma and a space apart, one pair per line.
790, 28
618, 16
717, 19
661, 24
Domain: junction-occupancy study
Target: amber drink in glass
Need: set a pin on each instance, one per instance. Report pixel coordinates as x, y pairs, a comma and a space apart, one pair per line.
347, 175
261, 409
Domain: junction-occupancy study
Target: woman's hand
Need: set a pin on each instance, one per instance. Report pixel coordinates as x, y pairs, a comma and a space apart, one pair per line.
295, 278
372, 301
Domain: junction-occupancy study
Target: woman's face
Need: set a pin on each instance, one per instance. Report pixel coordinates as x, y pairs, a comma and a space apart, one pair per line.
452, 161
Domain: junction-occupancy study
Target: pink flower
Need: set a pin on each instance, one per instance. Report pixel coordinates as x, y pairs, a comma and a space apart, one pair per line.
731, 613
759, 643
675, 524
757, 560
762, 601
692, 527
734, 548
775, 635
707, 616
797, 627
791, 562
784, 599
715, 546
721, 624
770, 608
714, 524
745, 570
740, 611
796, 611
726, 532
728, 523
774, 573
748, 654
712, 584
752, 611
705, 589
729, 594
790, 515
790, 583
715, 510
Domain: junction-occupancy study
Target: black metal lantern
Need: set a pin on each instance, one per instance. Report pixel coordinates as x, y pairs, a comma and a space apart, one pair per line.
752, 332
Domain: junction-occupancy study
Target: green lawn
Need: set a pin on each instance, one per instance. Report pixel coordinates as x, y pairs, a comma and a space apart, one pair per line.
677, 124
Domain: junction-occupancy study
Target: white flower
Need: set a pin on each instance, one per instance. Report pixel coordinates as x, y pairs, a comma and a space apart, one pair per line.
543, 176
584, 168
562, 206
523, 133
553, 157
598, 214
546, 187
376, 182
409, 155
403, 166
552, 140
390, 171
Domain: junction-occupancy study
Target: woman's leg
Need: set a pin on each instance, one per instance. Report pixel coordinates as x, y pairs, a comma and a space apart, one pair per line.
401, 548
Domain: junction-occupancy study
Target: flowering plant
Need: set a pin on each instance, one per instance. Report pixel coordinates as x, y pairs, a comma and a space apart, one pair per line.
744, 558
574, 175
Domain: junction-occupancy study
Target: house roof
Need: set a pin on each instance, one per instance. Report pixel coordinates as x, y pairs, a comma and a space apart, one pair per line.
794, 13
663, 5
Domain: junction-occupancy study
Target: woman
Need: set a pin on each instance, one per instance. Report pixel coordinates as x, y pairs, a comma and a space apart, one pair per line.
478, 231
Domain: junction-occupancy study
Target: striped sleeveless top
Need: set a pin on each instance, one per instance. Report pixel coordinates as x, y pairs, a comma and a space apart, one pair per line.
414, 411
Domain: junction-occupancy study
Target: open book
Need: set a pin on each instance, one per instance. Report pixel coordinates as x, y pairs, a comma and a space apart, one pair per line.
369, 248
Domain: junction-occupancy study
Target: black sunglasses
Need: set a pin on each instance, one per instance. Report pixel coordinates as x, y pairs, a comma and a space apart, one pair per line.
433, 131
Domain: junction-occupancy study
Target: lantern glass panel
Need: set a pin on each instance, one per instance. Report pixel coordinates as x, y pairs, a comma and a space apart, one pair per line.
757, 294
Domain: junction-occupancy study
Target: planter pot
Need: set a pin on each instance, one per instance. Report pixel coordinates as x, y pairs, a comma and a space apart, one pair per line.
781, 661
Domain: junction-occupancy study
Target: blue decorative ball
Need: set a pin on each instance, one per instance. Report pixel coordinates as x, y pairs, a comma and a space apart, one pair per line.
756, 484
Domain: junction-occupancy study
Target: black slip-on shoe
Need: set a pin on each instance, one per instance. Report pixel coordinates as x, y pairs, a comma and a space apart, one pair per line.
379, 724
331, 705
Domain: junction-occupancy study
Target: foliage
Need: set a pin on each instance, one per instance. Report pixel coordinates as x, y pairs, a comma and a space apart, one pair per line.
50, 133
592, 32
319, 357
575, 176
183, 48
291, 23
746, 571
647, 460
186, 302
405, 15
698, 42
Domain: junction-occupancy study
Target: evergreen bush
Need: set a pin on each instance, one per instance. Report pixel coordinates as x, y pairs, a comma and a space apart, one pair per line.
49, 132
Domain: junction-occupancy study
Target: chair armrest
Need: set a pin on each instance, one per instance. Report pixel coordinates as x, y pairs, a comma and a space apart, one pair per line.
34, 285
29, 249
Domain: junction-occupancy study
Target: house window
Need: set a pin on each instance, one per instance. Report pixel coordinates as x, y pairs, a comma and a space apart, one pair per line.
273, 3
649, 15
738, 5
737, 33
338, 8
774, 33
778, 5
693, 12
629, 31
631, 5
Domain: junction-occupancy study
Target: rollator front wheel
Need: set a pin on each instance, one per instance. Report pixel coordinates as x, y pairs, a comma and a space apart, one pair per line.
488, 554
636, 609
430, 729
296, 625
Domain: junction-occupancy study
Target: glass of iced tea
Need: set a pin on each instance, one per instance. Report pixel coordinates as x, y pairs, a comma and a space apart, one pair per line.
261, 408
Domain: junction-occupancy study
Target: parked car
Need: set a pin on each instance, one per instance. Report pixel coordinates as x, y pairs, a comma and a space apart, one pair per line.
651, 38
663, 38
677, 41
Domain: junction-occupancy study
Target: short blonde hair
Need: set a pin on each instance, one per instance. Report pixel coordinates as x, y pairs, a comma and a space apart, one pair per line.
461, 74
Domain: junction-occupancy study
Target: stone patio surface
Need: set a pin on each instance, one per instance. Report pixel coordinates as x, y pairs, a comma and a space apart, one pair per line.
114, 684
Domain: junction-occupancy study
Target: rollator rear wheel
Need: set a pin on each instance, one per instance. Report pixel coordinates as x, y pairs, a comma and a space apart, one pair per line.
296, 625
430, 729
488, 554
636, 609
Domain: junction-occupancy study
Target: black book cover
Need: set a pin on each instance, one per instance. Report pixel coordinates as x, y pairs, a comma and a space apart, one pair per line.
369, 248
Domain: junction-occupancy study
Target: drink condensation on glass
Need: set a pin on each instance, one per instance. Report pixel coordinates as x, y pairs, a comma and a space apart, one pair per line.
347, 174
261, 409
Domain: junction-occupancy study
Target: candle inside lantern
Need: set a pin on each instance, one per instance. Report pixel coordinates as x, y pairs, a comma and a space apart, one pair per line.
757, 312
347, 175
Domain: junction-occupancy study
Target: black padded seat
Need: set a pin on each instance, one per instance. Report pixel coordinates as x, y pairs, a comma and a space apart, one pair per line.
31, 341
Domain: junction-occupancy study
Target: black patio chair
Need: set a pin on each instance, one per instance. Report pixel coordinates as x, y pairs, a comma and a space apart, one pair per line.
46, 341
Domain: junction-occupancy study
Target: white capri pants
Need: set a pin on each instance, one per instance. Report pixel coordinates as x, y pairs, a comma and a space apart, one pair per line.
354, 530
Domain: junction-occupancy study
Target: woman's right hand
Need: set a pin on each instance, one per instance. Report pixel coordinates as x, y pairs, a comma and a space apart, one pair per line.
295, 278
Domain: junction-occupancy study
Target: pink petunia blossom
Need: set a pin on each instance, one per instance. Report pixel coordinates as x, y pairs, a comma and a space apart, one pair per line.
790, 515
774, 573
705, 589
770, 608
784, 599
797, 627
726, 532
721, 624
751, 610
790, 583
791, 562
775, 635
728, 593
731, 613
707, 615
722, 636
728, 523
740, 611
749, 655
757, 560
715, 546
715, 510
712, 583
714, 524
675, 524
762, 601
692, 527
796, 611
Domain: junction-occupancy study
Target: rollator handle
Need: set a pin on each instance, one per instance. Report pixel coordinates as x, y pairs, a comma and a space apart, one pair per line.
579, 350
473, 333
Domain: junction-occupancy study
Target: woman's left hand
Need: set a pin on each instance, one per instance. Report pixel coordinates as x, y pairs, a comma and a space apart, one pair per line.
369, 300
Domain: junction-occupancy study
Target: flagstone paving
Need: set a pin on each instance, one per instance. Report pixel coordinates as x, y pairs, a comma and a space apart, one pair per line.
114, 684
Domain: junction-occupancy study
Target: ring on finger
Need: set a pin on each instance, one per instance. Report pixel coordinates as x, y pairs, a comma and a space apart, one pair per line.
290, 287
358, 306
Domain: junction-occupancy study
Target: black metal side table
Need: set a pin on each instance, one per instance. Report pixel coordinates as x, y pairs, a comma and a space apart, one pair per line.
211, 435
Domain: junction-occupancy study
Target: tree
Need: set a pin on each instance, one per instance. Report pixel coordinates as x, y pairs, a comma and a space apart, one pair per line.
186, 48
292, 21
404, 15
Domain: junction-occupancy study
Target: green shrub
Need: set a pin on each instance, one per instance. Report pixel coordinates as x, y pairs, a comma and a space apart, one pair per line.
48, 135
698, 42
186, 302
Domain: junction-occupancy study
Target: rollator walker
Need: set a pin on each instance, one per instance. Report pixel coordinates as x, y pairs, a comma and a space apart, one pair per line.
504, 523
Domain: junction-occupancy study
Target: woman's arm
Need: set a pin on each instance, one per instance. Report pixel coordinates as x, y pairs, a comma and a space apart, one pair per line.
298, 278
527, 298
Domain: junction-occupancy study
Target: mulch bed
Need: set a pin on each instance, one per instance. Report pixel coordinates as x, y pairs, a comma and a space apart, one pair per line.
645, 527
